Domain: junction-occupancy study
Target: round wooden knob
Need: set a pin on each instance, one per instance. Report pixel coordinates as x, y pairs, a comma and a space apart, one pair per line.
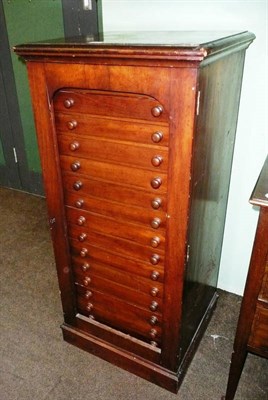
84, 252
155, 241
72, 124
154, 292
153, 306
156, 183
156, 161
79, 203
154, 259
89, 306
153, 343
157, 137
82, 237
75, 166
155, 223
87, 280
85, 267
81, 220
74, 146
155, 275
77, 185
153, 333
88, 294
68, 103
153, 320
156, 203
157, 111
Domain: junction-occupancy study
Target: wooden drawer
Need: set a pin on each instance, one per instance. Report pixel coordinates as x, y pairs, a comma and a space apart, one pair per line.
84, 250
113, 261
118, 314
259, 332
114, 210
133, 154
121, 246
263, 296
109, 226
109, 272
112, 104
111, 128
111, 191
115, 173
110, 287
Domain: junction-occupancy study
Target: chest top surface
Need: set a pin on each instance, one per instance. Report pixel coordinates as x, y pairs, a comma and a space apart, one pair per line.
185, 45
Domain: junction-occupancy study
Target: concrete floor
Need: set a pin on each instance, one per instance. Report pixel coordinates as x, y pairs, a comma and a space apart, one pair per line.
37, 364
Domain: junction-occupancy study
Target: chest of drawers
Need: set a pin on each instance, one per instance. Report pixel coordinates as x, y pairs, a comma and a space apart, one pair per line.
136, 136
252, 329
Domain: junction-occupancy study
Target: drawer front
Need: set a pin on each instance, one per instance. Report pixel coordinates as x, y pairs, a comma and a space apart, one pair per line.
112, 191
114, 210
142, 179
121, 246
112, 104
263, 296
119, 315
259, 332
84, 250
126, 278
109, 226
113, 150
154, 273
126, 294
116, 129
135, 155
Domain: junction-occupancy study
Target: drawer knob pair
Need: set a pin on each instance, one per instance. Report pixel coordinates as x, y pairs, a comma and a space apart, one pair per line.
85, 267
87, 280
153, 320
153, 306
81, 220
154, 259
79, 203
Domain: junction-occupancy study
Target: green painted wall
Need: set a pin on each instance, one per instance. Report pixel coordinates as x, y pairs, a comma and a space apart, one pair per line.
2, 158
27, 21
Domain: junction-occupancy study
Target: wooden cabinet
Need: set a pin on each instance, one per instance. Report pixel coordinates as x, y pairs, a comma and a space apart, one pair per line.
252, 329
136, 136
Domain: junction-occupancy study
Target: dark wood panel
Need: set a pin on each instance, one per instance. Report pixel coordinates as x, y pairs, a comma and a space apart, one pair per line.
259, 333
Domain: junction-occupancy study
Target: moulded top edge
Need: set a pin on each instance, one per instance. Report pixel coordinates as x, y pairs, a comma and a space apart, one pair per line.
173, 43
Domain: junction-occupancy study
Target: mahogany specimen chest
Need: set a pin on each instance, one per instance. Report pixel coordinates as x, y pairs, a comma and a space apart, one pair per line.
136, 136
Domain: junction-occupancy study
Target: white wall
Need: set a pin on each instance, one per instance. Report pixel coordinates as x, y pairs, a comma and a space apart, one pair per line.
252, 134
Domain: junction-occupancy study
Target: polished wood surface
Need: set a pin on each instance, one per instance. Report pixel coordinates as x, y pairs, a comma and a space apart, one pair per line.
129, 135
252, 328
